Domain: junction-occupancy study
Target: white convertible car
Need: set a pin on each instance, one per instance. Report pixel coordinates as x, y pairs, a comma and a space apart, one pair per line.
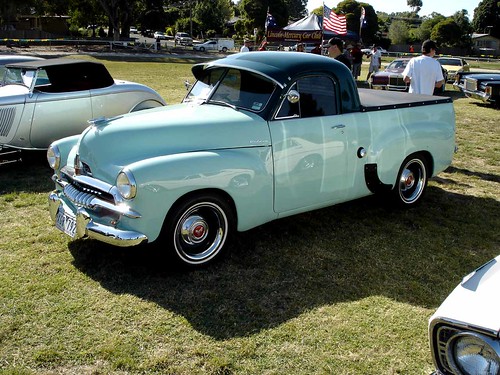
45, 100
464, 332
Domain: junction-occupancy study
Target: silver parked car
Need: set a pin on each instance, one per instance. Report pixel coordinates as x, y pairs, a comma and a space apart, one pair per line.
464, 332
42, 101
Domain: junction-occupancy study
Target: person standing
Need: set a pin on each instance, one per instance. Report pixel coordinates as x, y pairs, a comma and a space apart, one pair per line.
244, 47
375, 62
423, 72
336, 50
357, 60
300, 47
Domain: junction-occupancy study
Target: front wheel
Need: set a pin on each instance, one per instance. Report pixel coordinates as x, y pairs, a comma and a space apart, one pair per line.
198, 229
412, 182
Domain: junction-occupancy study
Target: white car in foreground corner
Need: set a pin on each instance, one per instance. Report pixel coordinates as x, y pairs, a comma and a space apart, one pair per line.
464, 332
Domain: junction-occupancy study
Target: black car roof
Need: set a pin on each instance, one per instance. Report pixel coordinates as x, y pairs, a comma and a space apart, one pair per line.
38, 64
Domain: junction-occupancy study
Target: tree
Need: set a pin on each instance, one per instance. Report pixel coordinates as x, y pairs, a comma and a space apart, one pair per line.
255, 13
398, 32
425, 29
415, 5
447, 33
352, 11
487, 18
212, 14
297, 9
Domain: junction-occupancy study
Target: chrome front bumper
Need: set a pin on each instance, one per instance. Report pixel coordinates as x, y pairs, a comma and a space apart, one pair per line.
87, 228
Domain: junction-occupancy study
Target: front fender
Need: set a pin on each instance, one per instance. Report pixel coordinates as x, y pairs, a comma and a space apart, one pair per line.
147, 104
244, 174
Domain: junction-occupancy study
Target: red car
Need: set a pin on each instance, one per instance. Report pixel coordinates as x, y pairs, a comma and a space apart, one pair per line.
391, 78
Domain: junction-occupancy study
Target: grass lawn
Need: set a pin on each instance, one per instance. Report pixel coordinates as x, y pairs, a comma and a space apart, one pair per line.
343, 290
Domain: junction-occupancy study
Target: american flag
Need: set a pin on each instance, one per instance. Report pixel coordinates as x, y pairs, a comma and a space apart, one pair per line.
333, 22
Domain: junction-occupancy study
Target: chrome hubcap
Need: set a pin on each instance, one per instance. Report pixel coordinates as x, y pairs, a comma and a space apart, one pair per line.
412, 181
194, 230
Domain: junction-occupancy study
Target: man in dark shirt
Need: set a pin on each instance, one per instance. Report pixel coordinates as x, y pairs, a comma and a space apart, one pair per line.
357, 60
336, 50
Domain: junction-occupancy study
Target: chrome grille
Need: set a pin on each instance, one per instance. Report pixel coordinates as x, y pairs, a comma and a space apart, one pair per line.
443, 336
471, 84
396, 81
83, 195
7, 116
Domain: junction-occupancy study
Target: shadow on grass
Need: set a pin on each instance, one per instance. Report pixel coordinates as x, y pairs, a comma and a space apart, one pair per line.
32, 175
282, 269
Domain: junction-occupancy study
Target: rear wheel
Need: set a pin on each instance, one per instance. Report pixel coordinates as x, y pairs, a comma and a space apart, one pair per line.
412, 181
202, 49
198, 229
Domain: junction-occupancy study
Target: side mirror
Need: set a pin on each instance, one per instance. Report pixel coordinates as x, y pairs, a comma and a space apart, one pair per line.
293, 96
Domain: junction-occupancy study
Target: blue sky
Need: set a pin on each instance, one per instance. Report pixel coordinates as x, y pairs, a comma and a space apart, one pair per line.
445, 7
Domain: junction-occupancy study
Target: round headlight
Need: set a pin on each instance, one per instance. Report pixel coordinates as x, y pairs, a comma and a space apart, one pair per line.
54, 157
125, 183
474, 354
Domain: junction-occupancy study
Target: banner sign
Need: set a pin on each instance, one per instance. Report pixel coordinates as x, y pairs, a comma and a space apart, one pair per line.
304, 36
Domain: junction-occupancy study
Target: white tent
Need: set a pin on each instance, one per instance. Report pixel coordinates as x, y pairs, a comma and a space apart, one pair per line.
311, 22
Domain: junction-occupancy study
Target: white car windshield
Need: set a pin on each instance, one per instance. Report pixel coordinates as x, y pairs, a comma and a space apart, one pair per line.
234, 87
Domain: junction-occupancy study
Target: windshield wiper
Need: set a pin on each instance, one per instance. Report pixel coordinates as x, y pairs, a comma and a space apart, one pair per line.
220, 102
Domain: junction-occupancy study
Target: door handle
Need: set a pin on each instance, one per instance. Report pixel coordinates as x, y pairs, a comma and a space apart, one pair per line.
341, 126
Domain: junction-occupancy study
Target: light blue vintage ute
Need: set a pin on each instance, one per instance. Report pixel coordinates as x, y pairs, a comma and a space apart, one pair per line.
259, 136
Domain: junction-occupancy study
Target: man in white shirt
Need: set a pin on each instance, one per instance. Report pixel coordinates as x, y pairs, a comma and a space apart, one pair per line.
375, 62
244, 47
424, 73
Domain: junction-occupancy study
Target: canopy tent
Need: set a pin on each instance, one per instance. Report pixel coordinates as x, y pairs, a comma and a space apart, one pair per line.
308, 29
314, 22
311, 22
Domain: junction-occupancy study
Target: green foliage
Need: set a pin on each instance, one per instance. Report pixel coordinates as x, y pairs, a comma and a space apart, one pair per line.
487, 18
415, 5
255, 13
185, 24
446, 33
425, 29
398, 32
212, 14
296, 8
352, 10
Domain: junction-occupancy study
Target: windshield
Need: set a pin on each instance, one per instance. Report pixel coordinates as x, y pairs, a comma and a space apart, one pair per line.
397, 64
234, 87
450, 62
24, 77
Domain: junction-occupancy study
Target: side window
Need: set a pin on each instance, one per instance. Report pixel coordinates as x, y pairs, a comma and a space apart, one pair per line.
317, 98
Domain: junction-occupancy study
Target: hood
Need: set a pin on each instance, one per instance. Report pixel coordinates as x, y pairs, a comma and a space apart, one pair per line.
476, 301
484, 77
111, 144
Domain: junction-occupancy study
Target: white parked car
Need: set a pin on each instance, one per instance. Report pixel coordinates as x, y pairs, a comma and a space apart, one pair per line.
42, 101
221, 45
159, 35
464, 332
183, 38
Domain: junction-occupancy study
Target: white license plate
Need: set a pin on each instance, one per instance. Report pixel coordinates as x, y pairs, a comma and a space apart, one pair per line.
66, 222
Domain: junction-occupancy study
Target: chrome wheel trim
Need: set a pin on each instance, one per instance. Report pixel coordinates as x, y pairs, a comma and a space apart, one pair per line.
200, 232
412, 180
